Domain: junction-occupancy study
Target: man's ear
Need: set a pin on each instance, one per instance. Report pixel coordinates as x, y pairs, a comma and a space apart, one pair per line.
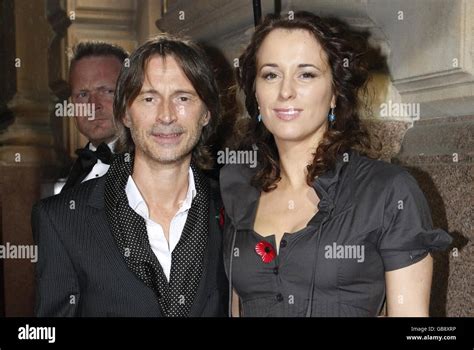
126, 120
206, 118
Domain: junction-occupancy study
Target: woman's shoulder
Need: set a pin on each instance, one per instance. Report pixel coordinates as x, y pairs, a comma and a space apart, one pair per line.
236, 177
241, 172
369, 169
237, 192
379, 178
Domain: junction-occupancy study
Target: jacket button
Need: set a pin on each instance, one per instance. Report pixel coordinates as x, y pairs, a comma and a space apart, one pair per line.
275, 270
279, 297
283, 243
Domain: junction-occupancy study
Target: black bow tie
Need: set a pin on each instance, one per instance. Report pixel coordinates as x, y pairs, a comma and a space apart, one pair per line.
86, 161
89, 158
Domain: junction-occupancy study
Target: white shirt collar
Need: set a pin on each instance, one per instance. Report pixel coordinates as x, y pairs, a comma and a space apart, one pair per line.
138, 204
111, 145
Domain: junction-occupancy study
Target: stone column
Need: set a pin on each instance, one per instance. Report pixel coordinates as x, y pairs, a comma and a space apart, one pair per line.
28, 149
147, 13
439, 153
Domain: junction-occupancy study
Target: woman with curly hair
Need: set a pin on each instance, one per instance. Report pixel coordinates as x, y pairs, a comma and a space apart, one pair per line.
319, 227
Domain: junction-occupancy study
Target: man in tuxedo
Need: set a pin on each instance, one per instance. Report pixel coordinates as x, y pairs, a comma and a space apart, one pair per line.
145, 239
93, 73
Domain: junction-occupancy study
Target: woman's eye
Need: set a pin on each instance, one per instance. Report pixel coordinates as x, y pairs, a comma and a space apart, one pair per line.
269, 76
148, 99
307, 75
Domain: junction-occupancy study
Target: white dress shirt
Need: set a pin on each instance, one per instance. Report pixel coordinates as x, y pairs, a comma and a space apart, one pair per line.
156, 235
99, 168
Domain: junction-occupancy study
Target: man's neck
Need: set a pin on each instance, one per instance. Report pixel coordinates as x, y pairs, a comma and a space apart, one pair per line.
109, 142
161, 185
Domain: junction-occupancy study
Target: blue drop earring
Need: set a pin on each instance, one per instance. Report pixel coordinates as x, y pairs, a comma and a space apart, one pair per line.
332, 116
259, 116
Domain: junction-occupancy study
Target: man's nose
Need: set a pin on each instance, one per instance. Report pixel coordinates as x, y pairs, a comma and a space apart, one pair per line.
167, 113
95, 99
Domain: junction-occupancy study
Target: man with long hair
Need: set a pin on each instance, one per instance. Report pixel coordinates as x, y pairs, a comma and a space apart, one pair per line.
144, 240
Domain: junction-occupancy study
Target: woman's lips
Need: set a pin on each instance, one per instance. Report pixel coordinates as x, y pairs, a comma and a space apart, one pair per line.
287, 113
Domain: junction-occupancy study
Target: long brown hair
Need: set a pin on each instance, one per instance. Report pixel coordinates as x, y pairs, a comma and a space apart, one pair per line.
196, 67
345, 51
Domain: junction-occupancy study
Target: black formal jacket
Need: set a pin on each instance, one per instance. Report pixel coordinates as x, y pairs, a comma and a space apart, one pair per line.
81, 272
76, 173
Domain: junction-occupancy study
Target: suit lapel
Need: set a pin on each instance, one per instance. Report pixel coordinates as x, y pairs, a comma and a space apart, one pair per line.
210, 256
76, 175
100, 229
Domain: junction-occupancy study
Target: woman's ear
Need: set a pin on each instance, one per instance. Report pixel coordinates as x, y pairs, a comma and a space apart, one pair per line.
333, 101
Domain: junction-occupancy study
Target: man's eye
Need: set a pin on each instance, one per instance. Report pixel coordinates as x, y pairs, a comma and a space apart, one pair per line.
110, 91
183, 99
148, 99
82, 94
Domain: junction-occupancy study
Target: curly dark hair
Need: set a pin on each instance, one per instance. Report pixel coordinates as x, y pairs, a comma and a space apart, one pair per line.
197, 68
346, 54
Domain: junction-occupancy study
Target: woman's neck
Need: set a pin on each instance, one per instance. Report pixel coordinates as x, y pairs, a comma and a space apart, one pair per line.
295, 156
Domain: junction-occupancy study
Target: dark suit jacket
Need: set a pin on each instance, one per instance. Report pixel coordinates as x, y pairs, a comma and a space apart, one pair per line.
75, 175
81, 272
72, 180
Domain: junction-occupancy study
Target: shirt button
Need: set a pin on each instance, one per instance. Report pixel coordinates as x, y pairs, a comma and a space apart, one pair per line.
279, 297
283, 243
275, 270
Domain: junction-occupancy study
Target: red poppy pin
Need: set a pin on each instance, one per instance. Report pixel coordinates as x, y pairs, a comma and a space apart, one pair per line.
266, 251
221, 218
